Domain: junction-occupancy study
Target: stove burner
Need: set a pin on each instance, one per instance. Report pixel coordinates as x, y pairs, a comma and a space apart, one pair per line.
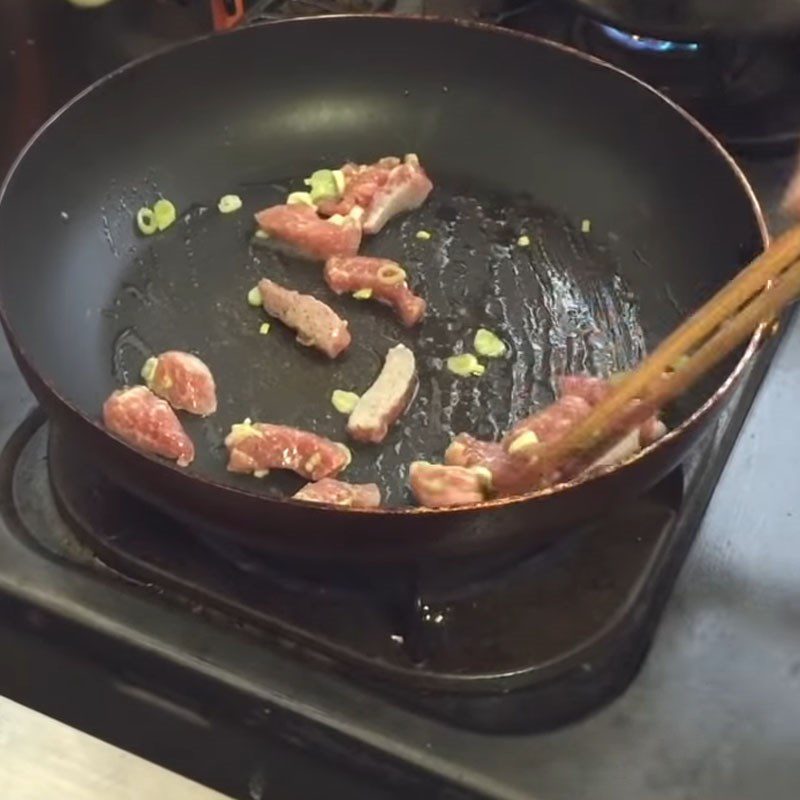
644, 44
526, 641
743, 91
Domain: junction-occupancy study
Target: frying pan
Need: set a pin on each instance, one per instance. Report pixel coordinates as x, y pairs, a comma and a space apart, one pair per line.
519, 135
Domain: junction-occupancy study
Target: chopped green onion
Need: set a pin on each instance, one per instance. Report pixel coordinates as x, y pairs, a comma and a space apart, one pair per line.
586, 226
339, 180
488, 344
524, 240
259, 234
324, 185
337, 219
344, 402
523, 442
300, 198
465, 365
149, 369
146, 221
229, 203
264, 329
363, 294
254, 297
424, 235
165, 213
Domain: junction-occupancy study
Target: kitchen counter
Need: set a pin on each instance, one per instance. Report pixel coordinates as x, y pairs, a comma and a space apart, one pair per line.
40, 758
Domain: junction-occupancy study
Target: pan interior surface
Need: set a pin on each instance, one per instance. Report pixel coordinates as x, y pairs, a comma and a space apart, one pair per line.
519, 138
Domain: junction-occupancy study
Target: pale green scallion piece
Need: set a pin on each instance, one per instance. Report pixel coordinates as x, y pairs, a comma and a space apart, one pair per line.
424, 235
264, 329
149, 369
586, 226
524, 240
300, 198
363, 294
344, 402
165, 213
254, 297
325, 184
146, 221
488, 344
229, 203
465, 365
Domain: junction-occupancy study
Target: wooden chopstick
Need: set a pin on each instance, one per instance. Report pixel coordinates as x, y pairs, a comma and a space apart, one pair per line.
755, 296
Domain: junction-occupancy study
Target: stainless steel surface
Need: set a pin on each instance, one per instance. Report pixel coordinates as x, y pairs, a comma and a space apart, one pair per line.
40, 758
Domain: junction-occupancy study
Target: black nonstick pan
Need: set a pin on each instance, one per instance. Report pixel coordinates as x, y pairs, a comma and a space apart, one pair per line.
634, 214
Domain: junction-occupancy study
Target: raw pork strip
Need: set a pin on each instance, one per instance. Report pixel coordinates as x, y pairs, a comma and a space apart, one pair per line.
317, 324
550, 423
147, 423
340, 493
383, 277
300, 231
467, 451
388, 397
440, 486
594, 390
259, 447
406, 188
183, 380
361, 183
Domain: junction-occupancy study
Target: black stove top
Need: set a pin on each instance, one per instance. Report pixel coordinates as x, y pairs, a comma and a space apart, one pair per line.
745, 92
317, 683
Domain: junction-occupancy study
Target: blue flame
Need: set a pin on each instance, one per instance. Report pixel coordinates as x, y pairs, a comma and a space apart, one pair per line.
644, 44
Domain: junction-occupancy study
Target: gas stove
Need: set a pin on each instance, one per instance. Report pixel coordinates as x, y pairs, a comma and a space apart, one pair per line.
274, 679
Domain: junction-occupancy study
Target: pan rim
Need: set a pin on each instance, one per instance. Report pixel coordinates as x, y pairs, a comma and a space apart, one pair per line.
755, 342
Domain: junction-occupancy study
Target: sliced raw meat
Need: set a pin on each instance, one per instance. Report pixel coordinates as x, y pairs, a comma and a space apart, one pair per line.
384, 278
622, 450
440, 486
388, 397
340, 493
259, 447
595, 390
549, 424
406, 188
592, 390
147, 423
466, 451
300, 231
361, 183
317, 324
183, 380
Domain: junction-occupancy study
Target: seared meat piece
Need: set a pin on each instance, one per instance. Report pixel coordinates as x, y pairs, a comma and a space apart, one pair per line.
547, 425
147, 423
361, 183
388, 397
466, 451
259, 447
317, 325
340, 493
406, 188
299, 230
183, 380
594, 390
384, 278
439, 486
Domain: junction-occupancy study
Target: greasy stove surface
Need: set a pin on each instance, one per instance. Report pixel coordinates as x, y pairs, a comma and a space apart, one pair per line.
713, 714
